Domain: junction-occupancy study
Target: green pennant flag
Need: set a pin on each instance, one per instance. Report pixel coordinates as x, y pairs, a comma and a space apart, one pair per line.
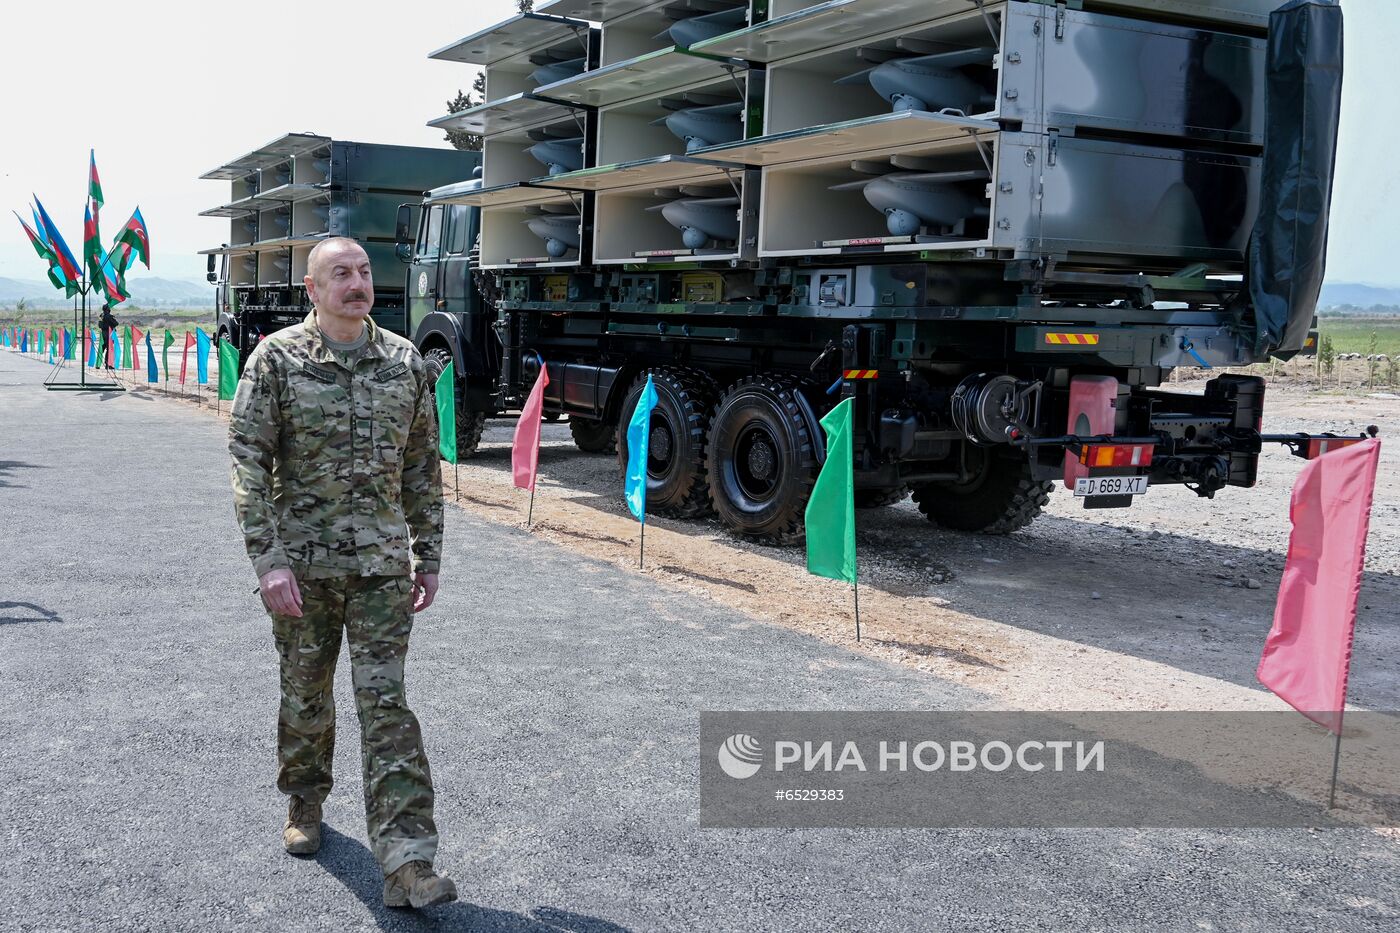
831, 511
165, 354
125, 361
445, 392
228, 370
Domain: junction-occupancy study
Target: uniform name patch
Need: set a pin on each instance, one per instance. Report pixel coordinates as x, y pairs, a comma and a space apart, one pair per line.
384, 375
320, 375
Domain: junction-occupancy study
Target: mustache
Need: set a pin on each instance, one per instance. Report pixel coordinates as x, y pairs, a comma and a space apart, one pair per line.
356, 296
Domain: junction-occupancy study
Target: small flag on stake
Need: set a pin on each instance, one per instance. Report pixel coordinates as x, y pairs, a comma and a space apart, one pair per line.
634, 486
831, 511
228, 370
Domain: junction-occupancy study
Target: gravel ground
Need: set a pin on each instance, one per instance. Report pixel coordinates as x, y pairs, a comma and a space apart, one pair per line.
560, 694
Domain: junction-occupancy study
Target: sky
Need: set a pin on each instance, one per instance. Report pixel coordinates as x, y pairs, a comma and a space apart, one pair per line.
165, 91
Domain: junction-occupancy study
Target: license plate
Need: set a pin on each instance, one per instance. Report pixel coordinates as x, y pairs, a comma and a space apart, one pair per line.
1110, 485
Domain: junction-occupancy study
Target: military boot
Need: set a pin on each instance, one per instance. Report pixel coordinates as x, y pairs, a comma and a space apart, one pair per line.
302, 834
415, 883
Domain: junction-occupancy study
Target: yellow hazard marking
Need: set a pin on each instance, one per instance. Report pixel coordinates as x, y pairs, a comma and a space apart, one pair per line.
862, 373
1077, 339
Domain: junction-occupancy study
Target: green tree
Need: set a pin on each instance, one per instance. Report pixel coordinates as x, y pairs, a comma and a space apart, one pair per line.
1327, 354
21, 306
1372, 364
1392, 371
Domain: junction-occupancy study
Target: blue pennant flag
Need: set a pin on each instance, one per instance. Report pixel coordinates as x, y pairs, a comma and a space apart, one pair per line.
92, 348
202, 355
152, 371
635, 483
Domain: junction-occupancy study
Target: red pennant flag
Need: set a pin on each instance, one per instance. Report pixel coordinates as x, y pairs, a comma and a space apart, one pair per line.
185, 355
136, 336
525, 449
1307, 655
112, 349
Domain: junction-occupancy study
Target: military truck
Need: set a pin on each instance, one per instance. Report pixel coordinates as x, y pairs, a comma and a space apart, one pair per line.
996, 225
296, 190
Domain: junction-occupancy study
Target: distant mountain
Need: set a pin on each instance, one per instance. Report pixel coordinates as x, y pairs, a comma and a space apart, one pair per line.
1337, 294
146, 290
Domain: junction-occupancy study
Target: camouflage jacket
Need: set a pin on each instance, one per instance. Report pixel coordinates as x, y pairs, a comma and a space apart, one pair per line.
336, 472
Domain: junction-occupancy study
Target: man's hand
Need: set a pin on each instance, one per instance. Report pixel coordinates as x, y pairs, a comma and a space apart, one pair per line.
280, 592
424, 590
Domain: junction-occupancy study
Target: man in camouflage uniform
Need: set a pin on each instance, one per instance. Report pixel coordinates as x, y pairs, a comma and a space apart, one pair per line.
336, 484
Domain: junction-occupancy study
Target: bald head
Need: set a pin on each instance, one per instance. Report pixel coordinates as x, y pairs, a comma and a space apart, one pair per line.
326, 254
339, 281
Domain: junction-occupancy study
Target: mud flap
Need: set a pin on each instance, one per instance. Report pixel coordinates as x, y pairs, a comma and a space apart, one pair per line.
1091, 411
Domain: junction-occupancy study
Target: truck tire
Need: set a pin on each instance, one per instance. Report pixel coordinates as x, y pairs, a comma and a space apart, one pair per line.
1000, 499
879, 498
762, 459
470, 424
593, 437
677, 485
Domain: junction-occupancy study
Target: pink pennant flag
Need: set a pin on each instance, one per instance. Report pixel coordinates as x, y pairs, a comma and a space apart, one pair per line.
525, 449
1307, 655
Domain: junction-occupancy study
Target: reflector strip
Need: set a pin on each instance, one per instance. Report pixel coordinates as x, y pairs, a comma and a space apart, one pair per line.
862, 373
1321, 445
1116, 455
1076, 339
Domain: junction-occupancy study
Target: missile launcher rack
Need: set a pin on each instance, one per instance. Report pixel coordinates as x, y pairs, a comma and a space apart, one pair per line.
302, 188
1118, 132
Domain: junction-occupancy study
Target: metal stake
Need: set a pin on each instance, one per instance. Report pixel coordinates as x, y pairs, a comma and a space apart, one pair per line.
642, 551
1336, 760
855, 591
530, 515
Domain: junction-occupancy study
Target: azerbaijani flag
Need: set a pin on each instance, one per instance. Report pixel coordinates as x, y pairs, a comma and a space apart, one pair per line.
55, 273
94, 183
62, 254
92, 248
134, 236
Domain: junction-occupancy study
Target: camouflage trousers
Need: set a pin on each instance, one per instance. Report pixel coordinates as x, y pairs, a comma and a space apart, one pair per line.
377, 615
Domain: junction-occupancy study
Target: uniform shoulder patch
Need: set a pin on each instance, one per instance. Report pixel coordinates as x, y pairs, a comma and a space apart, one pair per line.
391, 372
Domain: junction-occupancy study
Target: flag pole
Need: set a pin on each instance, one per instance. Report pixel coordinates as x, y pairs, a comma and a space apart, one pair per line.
855, 591
530, 515
1336, 760
642, 551
456, 482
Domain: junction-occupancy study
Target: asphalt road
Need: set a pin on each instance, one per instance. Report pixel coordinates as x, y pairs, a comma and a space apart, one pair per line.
560, 699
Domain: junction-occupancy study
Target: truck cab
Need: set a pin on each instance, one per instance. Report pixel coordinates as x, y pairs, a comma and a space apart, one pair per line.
448, 319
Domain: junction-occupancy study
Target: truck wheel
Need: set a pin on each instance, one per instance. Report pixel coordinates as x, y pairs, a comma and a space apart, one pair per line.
879, 498
1000, 498
593, 437
680, 425
470, 424
762, 462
